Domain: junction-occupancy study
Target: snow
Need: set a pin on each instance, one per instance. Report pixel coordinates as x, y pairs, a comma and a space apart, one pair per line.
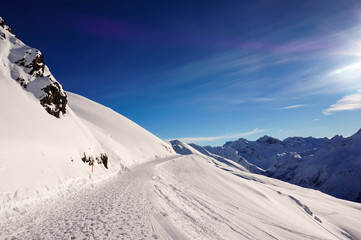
117, 134
329, 165
148, 191
188, 197
41, 155
205, 202
40, 152
334, 168
37, 149
263, 152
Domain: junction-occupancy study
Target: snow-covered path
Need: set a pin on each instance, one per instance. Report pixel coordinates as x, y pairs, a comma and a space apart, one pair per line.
119, 208
188, 197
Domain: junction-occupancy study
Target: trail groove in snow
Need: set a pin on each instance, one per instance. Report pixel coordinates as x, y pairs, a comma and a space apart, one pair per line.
188, 197
119, 208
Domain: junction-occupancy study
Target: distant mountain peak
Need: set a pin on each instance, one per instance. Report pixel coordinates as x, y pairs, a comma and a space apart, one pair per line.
26, 66
268, 139
319, 163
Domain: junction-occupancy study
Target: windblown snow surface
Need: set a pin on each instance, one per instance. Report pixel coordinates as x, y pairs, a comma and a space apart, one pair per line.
332, 166
187, 197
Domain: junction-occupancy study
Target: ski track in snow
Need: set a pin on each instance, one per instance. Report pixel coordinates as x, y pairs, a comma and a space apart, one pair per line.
118, 208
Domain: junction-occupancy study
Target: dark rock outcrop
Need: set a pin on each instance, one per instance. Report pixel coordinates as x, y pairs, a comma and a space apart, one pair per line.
55, 100
31, 72
4, 26
102, 159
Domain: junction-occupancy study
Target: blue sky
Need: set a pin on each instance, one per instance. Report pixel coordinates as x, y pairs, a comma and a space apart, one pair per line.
206, 71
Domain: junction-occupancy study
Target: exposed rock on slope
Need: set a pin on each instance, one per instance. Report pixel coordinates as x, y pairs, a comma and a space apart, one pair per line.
42, 154
27, 67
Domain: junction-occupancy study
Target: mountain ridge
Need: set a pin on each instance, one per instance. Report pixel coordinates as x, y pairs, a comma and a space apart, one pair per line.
318, 163
30, 71
45, 144
144, 190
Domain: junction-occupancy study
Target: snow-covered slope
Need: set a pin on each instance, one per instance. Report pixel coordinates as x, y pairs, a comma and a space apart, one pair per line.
183, 148
335, 168
225, 154
48, 138
37, 149
26, 66
188, 197
266, 149
117, 135
330, 165
198, 200
44, 144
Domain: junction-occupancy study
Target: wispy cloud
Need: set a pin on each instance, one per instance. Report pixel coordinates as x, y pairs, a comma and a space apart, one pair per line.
348, 102
293, 106
233, 100
238, 135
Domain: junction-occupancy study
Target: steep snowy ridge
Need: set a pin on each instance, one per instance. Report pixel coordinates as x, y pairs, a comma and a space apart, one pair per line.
265, 150
183, 148
27, 67
330, 165
47, 151
242, 162
205, 202
335, 168
119, 136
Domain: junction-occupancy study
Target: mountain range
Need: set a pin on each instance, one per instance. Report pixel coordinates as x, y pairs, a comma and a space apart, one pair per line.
71, 168
331, 165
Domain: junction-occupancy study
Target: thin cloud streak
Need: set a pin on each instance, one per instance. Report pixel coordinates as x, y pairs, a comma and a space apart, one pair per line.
235, 69
233, 100
104, 27
349, 102
239, 135
293, 106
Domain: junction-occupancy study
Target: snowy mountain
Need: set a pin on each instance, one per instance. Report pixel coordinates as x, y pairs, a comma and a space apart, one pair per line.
26, 66
265, 150
318, 163
335, 168
189, 196
140, 188
183, 148
45, 142
241, 161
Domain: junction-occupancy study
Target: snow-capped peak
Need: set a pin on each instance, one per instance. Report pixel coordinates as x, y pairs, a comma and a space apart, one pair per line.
268, 140
41, 150
6, 27
26, 66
